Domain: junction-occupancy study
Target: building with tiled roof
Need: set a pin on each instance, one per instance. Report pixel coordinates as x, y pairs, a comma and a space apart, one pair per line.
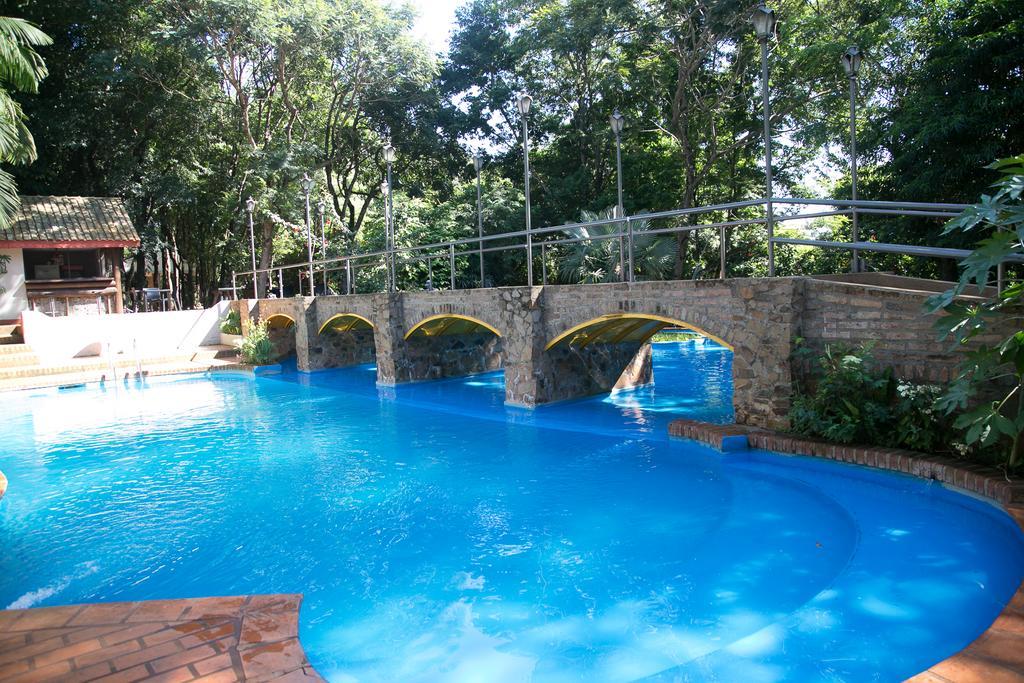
63, 256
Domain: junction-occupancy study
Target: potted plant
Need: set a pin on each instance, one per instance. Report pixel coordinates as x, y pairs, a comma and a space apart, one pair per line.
231, 329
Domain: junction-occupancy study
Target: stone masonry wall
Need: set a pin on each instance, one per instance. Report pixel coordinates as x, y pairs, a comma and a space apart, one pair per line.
893, 321
571, 372
758, 317
330, 349
453, 355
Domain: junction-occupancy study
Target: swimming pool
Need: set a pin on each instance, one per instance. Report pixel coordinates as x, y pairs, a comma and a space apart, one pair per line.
440, 536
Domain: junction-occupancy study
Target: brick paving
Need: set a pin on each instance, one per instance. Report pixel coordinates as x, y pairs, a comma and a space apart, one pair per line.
245, 638
997, 655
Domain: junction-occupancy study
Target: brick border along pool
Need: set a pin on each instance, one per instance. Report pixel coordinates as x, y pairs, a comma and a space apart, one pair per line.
997, 655
245, 638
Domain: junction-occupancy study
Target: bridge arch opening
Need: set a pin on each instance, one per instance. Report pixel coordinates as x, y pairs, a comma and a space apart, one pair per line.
344, 339
450, 345
346, 322
616, 328
281, 329
450, 324
613, 352
280, 321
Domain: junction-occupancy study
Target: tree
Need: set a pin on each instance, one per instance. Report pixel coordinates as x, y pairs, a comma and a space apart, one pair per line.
21, 69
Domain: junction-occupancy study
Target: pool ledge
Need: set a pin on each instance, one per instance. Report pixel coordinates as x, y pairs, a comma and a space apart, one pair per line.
998, 653
244, 638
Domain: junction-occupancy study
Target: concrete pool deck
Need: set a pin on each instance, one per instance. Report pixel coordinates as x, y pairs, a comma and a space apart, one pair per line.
246, 638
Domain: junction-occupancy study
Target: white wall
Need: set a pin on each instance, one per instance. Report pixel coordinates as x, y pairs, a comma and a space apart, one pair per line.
13, 299
148, 334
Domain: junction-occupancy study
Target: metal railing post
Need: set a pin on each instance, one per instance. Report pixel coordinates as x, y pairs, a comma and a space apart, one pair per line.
234, 287
280, 282
348, 276
430, 272
451, 263
543, 264
721, 251
629, 235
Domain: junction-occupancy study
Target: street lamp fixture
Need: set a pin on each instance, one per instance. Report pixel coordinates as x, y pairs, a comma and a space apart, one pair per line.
765, 21
307, 186
618, 121
389, 153
523, 105
478, 165
851, 60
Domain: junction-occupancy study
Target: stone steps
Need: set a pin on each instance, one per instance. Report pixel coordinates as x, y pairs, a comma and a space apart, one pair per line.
99, 363
22, 359
17, 348
120, 374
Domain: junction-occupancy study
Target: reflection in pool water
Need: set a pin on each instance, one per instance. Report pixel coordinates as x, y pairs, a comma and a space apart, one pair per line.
439, 535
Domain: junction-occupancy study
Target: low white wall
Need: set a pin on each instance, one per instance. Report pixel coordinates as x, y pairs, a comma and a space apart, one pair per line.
56, 339
13, 297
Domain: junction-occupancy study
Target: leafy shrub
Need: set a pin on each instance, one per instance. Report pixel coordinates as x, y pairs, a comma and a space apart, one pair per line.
232, 322
988, 392
855, 402
257, 349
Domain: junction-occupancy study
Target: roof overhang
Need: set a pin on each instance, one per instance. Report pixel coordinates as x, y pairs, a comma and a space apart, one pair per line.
71, 244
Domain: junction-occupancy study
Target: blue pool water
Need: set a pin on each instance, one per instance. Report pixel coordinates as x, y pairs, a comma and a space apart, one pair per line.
440, 536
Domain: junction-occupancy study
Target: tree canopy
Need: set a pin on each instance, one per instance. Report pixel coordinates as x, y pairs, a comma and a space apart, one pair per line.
189, 107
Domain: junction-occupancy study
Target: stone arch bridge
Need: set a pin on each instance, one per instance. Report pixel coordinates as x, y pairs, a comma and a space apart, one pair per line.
569, 341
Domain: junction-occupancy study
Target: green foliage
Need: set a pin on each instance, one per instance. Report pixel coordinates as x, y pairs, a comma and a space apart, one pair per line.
21, 70
600, 260
232, 322
855, 402
257, 349
988, 392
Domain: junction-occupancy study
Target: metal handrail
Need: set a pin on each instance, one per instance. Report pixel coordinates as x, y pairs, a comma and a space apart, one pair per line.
626, 232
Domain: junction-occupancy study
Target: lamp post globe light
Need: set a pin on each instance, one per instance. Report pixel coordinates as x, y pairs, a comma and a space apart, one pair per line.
765, 21
523, 103
250, 206
386, 187
851, 61
307, 186
478, 164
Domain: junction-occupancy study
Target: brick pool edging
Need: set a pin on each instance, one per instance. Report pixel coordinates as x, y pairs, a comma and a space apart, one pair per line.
997, 655
985, 481
243, 638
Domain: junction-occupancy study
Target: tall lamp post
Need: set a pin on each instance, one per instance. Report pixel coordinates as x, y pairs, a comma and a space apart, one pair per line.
323, 240
387, 188
478, 164
764, 21
852, 59
523, 105
617, 121
250, 206
307, 186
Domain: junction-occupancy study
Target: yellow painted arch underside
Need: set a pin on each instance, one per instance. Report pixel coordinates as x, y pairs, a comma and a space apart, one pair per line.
449, 323
280, 321
623, 327
346, 322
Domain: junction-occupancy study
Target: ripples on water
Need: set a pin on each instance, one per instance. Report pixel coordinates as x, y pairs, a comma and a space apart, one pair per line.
439, 536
